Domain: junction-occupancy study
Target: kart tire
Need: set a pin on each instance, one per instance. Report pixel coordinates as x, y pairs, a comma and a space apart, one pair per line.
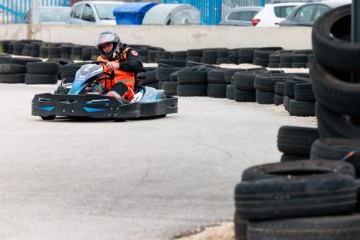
51, 117
189, 90
24, 61
331, 41
42, 67
336, 149
12, 68
244, 95
40, 78
345, 227
334, 93
296, 140
301, 108
12, 78
296, 189
216, 90
300, 168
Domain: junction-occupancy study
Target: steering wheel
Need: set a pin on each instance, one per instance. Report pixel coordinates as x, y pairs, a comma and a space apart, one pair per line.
110, 75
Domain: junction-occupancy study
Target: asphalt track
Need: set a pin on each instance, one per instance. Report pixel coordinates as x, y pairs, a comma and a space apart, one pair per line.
140, 179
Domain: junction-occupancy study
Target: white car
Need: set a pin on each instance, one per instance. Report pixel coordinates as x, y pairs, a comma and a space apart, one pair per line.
240, 16
273, 13
94, 12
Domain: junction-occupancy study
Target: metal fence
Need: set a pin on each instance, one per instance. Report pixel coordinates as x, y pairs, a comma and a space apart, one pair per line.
212, 11
13, 11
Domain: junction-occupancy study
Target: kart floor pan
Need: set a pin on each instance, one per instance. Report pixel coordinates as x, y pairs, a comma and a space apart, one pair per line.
48, 105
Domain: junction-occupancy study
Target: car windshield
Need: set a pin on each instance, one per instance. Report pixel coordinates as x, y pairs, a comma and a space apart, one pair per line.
105, 11
54, 15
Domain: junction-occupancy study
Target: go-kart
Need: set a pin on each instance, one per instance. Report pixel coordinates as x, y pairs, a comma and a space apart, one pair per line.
85, 98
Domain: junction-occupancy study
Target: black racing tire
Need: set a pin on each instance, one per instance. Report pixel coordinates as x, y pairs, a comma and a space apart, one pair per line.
279, 88
216, 90
244, 95
216, 76
297, 189
163, 73
331, 41
69, 70
230, 91
43, 67
240, 227
332, 92
288, 157
296, 140
61, 61
24, 61
4, 58
230, 73
301, 108
12, 78
266, 82
304, 92
265, 97
345, 227
6, 68
337, 149
170, 88
244, 80
294, 169
278, 99
193, 90
54, 52
41, 78
333, 124
192, 77
48, 118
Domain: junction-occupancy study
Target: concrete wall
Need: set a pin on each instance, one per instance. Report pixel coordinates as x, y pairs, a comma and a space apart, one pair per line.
171, 38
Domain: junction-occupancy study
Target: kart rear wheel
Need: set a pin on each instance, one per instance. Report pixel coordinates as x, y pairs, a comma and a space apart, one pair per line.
51, 117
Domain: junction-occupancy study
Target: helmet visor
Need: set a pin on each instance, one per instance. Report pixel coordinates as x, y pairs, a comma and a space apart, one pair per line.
105, 38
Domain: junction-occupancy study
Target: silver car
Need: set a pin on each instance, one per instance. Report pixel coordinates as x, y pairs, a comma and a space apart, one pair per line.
94, 12
241, 16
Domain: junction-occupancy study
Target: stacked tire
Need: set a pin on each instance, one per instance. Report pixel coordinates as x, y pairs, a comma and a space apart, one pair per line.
42, 73
297, 200
336, 60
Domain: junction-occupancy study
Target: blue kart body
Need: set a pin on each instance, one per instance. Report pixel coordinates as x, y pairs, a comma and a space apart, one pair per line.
82, 101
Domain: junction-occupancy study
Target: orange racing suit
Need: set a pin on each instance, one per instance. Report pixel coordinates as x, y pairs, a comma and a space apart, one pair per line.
129, 65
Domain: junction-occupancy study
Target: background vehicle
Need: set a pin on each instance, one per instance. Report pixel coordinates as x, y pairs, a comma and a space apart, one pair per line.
273, 13
305, 15
94, 12
172, 14
49, 15
241, 16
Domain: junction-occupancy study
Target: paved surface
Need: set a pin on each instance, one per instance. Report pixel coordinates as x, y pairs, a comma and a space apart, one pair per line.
136, 180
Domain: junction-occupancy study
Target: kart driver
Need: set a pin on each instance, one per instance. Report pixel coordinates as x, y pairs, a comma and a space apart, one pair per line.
124, 61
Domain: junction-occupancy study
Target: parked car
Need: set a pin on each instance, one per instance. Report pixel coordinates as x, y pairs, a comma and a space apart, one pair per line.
240, 16
273, 13
172, 14
51, 15
94, 12
305, 15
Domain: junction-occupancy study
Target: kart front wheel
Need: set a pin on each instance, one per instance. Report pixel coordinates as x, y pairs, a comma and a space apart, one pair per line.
51, 117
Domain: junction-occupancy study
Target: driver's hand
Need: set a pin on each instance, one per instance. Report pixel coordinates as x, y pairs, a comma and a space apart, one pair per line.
112, 65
